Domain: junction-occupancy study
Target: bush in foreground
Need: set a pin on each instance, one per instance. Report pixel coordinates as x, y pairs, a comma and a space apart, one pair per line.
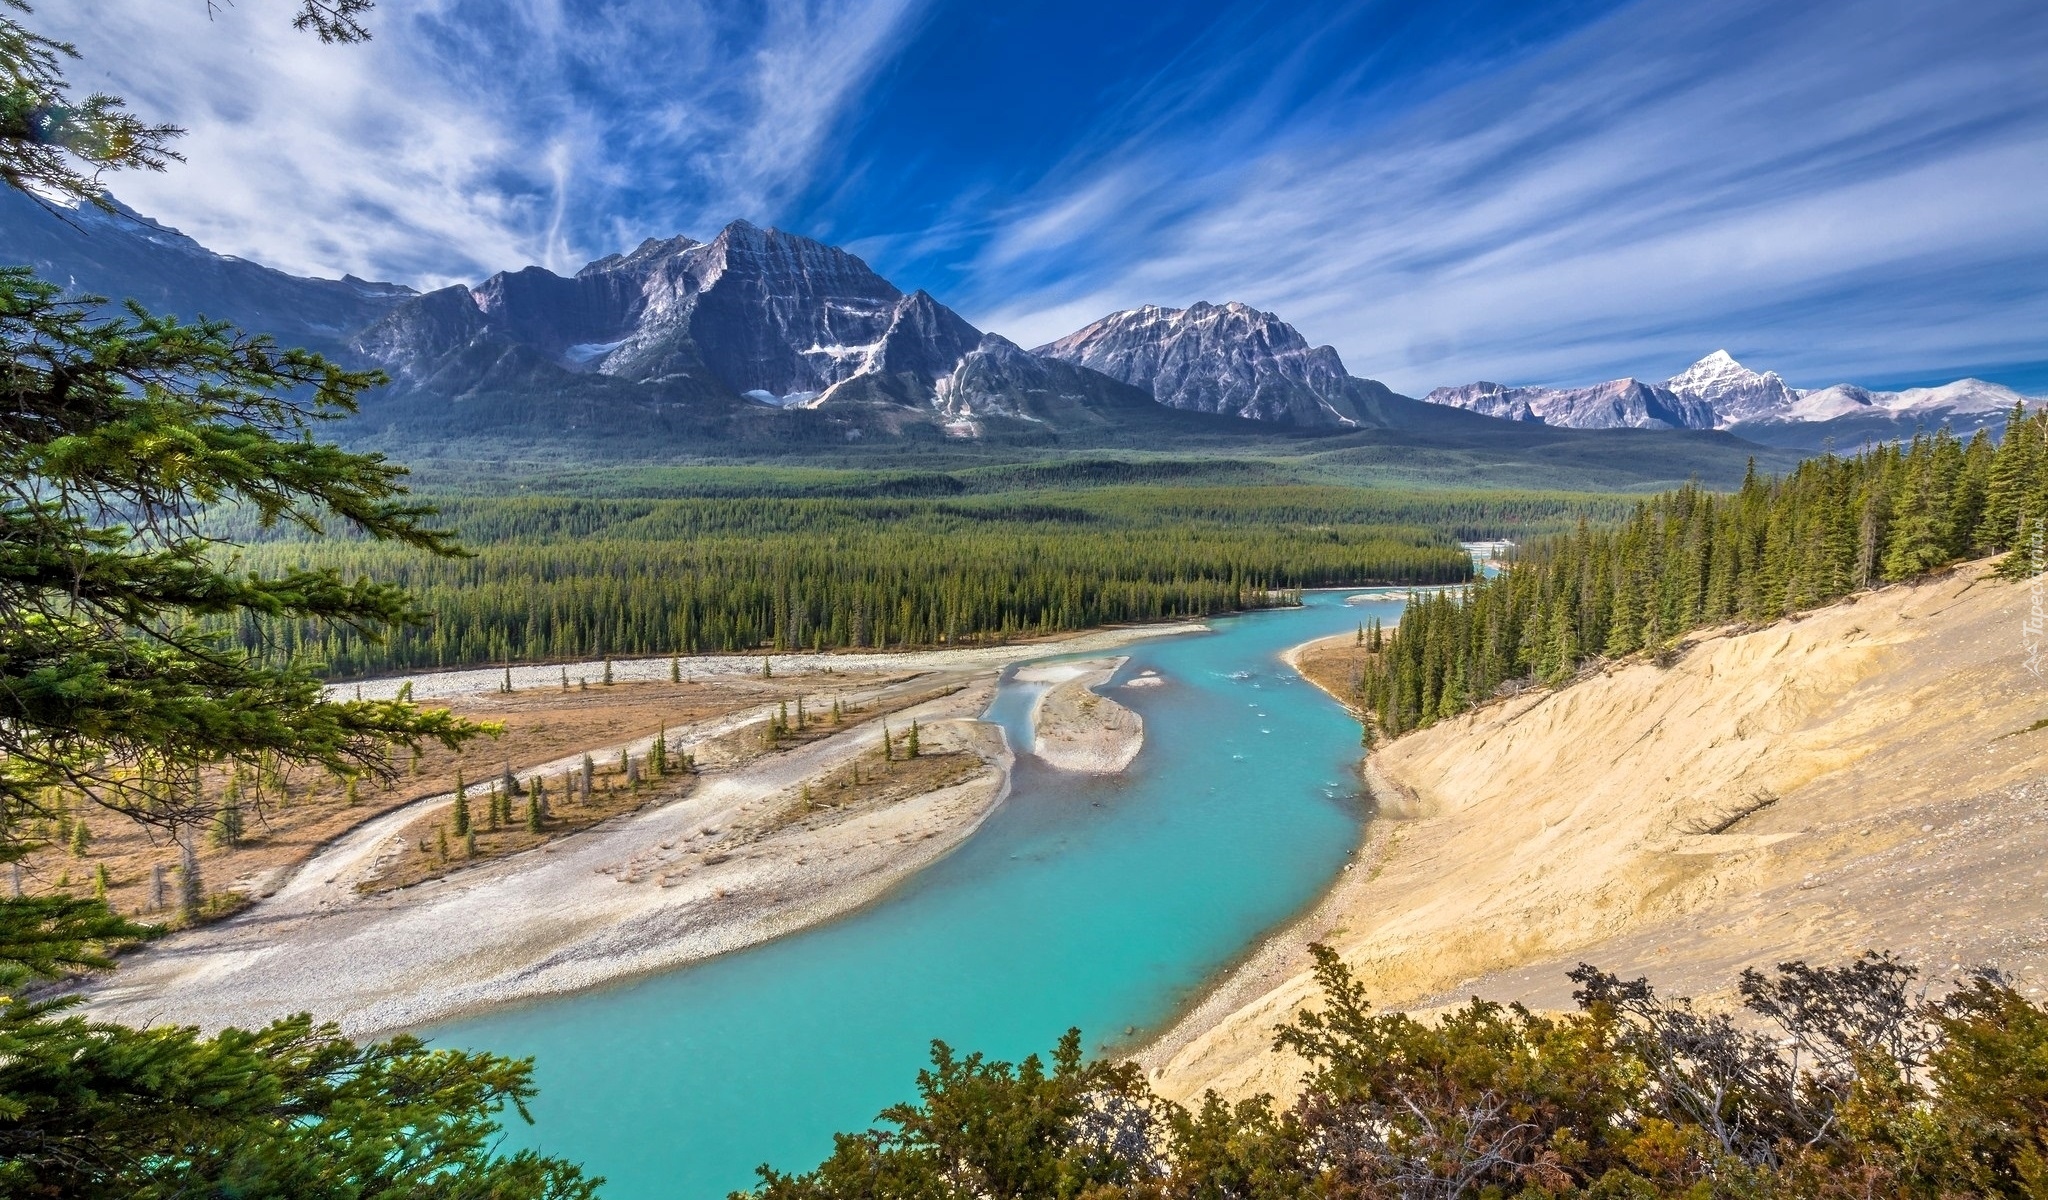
1832, 1082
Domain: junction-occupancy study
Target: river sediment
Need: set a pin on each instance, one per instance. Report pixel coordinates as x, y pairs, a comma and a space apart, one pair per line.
1075, 727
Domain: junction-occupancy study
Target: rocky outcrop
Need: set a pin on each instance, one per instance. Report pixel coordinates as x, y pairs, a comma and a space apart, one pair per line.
1217, 358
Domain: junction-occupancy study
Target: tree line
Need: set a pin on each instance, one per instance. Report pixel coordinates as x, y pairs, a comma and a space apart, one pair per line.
573, 578
1691, 558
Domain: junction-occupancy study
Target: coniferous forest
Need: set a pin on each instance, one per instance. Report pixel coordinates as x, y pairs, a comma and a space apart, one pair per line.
570, 577
1692, 558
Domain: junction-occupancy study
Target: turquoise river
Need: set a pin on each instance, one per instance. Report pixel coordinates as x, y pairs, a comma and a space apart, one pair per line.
1104, 904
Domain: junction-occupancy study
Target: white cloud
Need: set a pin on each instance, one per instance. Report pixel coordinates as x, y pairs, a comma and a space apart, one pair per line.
471, 136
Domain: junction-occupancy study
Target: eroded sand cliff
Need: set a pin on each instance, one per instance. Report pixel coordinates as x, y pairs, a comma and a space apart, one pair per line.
1865, 776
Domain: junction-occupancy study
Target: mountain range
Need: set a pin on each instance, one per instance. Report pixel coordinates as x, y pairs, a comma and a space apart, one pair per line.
760, 341
1719, 393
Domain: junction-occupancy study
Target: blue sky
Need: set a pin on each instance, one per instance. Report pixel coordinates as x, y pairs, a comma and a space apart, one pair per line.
1525, 192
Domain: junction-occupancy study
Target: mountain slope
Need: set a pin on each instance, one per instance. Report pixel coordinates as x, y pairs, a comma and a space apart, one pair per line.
124, 255
1735, 393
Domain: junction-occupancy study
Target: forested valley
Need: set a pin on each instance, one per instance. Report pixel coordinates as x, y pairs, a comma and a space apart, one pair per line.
1691, 558
864, 566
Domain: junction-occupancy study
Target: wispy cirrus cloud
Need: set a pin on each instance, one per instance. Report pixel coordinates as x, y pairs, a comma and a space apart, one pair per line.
1843, 188
473, 135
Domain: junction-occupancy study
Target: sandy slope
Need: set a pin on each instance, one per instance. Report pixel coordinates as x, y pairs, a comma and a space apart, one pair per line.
1883, 743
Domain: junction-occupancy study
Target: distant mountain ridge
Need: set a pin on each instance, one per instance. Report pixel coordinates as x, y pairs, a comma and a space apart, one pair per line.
1718, 392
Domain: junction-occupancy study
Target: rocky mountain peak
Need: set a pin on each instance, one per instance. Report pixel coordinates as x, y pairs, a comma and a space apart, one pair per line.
1219, 358
1736, 393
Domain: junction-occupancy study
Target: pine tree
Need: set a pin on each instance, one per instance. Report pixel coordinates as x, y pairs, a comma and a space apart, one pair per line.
888, 745
459, 820
349, 795
227, 823
675, 670
101, 884
81, 837
507, 688
534, 820
607, 670
910, 746
491, 810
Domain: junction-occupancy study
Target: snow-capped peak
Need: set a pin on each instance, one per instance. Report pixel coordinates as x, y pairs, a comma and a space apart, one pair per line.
1736, 393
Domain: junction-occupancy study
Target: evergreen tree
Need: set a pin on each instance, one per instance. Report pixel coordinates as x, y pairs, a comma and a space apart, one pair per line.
119, 436
1690, 558
910, 745
459, 818
227, 823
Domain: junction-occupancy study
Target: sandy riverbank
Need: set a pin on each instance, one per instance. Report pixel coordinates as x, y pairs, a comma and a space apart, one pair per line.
1075, 728
433, 685
733, 863
1863, 776
725, 867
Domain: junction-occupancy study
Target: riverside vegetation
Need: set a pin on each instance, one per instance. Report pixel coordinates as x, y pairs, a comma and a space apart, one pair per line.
1691, 558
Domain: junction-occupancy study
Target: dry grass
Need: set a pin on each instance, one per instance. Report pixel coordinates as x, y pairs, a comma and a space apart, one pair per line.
429, 848
1335, 664
307, 810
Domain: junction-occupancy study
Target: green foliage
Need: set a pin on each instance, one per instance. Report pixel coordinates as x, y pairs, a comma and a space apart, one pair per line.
1837, 1084
1692, 558
46, 937
114, 434
991, 1129
89, 1109
52, 144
